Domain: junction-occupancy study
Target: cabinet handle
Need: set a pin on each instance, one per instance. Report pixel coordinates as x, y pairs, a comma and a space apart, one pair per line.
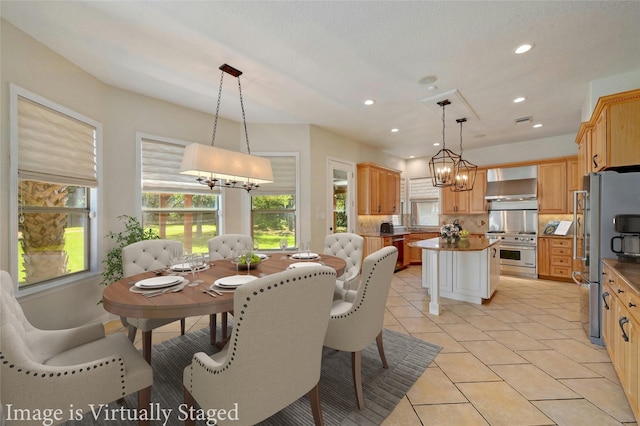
620, 291
604, 299
632, 305
494, 252
622, 321
595, 163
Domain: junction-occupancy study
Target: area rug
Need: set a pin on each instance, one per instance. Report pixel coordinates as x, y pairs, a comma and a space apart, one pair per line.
407, 357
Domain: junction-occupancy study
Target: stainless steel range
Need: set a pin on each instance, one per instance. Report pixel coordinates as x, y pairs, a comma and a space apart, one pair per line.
518, 253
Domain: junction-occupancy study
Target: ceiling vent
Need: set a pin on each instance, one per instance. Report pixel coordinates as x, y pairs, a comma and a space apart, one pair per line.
523, 120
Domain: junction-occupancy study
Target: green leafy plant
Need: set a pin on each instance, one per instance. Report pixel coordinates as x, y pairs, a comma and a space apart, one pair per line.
132, 233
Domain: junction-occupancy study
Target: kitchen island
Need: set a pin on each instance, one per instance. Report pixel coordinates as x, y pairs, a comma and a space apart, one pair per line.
466, 270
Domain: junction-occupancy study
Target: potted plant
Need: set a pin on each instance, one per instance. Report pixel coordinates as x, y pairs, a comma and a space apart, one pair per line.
132, 233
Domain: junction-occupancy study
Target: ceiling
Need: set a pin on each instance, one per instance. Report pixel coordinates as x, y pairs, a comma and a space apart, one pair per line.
315, 62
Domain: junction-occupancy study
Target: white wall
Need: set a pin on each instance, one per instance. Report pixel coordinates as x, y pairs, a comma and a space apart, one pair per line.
607, 86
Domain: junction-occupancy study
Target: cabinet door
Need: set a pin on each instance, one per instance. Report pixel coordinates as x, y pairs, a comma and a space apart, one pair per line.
574, 181
477, 203
624, 134
543, 256
599, 157
449, 201
584, 155
462, 202
608, 316
552, 188
391, 196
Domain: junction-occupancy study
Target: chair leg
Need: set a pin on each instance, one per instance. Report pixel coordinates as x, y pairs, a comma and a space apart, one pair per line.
190, 403
212, 329
182, 326
132, 333
356, 367
146, 345
223, 324
144, 403
381, 350
316, 408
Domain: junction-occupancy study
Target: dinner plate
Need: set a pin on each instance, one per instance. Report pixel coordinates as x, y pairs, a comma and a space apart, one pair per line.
184, 267
234, 281
303, 264
262, 256
305, 256
159, 282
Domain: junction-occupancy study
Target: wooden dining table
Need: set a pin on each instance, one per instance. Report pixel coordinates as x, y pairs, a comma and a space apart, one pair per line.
119, 299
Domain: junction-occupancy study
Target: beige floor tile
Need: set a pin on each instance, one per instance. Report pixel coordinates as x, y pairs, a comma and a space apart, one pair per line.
575, 412
443, 339
464, 332
450, 415
405, 311
557, 365
488, 323
403, 415
500, 404
577, 351
576, 334
605, 369
564, 313
507, 315
537, 331
397, 301
419, 325
447, 317
491, 352
389, 319
466, 310
554, 322
524, 308
434, 387
516, 340
416, 295
398, 328
605, 395
533, 383
464, 367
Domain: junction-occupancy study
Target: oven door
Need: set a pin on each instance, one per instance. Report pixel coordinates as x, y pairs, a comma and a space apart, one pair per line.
523, 256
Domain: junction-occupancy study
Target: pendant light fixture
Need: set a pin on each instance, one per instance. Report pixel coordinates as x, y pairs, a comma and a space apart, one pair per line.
465, 171
221, 167
442, 166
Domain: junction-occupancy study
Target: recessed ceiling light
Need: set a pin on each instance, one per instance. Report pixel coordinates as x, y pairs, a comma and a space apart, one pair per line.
369, 102
430, 79
412, 156
524, 48
537, 125
436, 144
518, 100
394, 130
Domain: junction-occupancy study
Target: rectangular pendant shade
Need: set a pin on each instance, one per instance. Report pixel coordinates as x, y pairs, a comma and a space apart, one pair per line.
210, 162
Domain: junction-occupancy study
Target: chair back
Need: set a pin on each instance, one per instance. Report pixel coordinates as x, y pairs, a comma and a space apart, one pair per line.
11, 314
275, 351
350, 248
223, 246
355, 327
148, 255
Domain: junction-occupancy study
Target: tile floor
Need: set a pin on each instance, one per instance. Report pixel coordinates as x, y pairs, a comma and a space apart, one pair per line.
520, 359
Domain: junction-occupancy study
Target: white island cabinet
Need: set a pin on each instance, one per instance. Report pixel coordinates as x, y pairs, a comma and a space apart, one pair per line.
466, 270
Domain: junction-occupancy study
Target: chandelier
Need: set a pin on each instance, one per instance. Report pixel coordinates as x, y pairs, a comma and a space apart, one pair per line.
221, 167
443, 165
465, 170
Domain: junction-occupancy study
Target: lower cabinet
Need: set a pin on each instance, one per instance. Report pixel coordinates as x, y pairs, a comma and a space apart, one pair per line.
621, 331
415, 254
555, 258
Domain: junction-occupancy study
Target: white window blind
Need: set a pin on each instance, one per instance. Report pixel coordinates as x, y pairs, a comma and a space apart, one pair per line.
161, 169
54, 147
423, 189
284, 177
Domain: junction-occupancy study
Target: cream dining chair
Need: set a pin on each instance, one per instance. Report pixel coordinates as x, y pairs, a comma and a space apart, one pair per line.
350, 248
60, 369
275, 352
358, 320
224, 247
142, 256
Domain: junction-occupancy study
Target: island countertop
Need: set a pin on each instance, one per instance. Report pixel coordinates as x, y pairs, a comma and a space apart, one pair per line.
469, 244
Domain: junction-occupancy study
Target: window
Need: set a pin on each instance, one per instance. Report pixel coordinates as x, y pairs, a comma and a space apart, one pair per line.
55, 183
274, 206
425, 202
175, 205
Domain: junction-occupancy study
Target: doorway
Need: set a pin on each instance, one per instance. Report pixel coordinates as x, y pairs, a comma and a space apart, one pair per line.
340, 196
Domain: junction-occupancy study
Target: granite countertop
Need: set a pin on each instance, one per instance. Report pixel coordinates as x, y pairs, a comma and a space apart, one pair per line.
384, 234
629, 270
469, 244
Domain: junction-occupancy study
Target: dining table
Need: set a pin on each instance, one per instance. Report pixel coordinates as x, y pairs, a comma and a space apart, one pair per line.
125, 299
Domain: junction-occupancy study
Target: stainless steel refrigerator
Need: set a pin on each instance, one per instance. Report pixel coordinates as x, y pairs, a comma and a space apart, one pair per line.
605, 195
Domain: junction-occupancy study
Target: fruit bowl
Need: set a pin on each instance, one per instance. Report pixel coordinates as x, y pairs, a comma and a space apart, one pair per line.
242, 263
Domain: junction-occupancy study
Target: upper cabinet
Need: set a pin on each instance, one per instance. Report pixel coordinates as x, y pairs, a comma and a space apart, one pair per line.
477, 203
467, 202
378, 190
552, 187
610, 139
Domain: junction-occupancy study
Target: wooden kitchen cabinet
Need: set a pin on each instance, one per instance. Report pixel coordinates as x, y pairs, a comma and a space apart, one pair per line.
477, 202
614, 130
552, 188
415, 254
574, 181
621, 331
455, 202
378, 190
584, 150
555, 258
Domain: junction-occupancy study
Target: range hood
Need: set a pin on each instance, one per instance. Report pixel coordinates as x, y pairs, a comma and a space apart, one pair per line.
513, 183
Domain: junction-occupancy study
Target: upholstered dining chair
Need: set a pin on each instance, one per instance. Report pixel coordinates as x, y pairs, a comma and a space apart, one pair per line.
64, 369
358, 320
145, 256
224, 247
350, 248
275, 351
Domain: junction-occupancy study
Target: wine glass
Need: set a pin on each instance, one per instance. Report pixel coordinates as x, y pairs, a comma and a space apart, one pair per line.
307, 248
196, 261
283, 244
248, 254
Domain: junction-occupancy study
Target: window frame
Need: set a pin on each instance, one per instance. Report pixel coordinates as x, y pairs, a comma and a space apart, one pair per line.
249, 203
140, 136
95, 196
